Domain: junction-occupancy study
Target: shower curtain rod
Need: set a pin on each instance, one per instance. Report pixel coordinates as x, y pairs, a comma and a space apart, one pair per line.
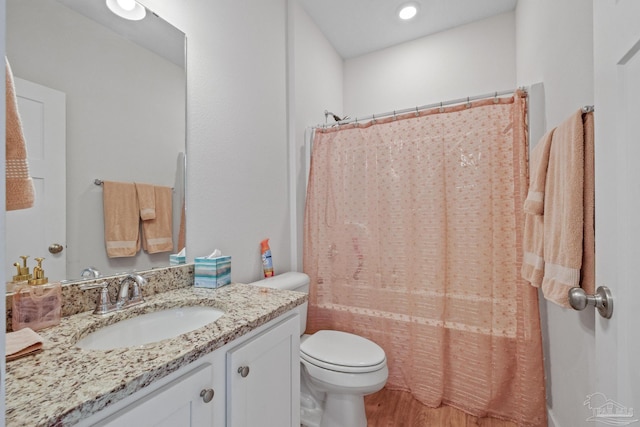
424, 107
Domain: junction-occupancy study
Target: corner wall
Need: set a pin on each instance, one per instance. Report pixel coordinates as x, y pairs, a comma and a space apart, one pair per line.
554, 45
318, 86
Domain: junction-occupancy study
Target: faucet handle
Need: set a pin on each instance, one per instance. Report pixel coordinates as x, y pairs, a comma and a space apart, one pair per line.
103, 304
136, 293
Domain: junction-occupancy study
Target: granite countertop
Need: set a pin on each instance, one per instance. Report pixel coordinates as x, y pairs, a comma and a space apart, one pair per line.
64, 384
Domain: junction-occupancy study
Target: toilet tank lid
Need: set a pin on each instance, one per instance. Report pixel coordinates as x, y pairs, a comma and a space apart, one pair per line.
290, 281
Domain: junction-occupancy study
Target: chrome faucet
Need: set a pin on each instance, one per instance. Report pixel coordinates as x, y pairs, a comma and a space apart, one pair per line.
127, 298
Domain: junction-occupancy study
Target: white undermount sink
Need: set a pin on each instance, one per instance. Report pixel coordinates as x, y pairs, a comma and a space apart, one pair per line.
150, 327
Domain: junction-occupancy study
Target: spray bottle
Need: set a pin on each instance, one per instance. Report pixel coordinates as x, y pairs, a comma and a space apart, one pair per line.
267, 263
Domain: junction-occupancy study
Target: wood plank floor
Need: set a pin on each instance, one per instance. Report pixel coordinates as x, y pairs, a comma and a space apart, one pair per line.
388, 408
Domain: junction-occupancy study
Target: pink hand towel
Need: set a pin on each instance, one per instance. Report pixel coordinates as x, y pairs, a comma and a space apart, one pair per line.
158, 232
22, 343
146, 201
121, 219
20, 193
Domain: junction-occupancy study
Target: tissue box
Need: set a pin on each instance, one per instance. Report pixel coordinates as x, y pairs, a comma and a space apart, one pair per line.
175, 259
212, 272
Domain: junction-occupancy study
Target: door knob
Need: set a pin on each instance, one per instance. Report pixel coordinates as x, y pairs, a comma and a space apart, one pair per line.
207, 394
602, 300
243, 371
55, 248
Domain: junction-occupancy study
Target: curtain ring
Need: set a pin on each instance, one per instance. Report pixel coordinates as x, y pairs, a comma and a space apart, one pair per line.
495, 98
374, 118
417, 114
468, 103
394, 115
441, 108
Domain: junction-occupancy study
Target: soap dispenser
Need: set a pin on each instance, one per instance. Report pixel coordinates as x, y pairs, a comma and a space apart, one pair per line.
38, 274
22, 275
38, 304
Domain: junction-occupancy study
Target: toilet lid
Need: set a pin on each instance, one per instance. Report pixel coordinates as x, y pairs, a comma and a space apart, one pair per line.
342, 351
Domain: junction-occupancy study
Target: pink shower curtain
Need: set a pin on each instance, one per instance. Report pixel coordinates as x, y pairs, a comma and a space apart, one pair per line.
413, 229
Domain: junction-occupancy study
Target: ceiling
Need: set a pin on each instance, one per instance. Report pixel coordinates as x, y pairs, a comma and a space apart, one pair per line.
356, 27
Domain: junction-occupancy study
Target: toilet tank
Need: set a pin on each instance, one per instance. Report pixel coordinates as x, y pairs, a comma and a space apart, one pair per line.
290, 281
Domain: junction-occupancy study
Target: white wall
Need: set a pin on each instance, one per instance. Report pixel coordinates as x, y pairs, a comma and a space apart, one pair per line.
473, 59
125, 116
555, 46
237, 174
318, 87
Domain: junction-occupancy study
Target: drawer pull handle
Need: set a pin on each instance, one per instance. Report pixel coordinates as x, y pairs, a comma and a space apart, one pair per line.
243, 371
207, 394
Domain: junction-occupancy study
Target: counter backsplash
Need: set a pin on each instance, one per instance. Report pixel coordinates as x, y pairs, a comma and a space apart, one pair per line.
75, 300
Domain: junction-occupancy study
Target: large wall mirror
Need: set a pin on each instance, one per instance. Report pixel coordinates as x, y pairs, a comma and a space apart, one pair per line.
122, 87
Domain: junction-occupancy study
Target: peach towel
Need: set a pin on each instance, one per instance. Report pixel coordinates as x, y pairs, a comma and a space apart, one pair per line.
19, 186
121, 219
559, 249
146, 201
158, 233
533, 259
22, 343
534, 204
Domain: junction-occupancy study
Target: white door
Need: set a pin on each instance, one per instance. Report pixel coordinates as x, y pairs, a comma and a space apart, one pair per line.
617, 125
32, 231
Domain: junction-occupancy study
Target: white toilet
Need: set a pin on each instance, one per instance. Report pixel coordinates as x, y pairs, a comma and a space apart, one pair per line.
337, 368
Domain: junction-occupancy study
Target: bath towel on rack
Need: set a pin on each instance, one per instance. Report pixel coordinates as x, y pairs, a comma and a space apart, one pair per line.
158, 232
559, 249
121, 219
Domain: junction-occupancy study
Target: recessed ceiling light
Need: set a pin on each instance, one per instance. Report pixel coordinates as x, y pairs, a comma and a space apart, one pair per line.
407, 11
127, 9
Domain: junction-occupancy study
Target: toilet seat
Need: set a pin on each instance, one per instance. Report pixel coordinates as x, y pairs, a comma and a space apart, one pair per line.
342, 352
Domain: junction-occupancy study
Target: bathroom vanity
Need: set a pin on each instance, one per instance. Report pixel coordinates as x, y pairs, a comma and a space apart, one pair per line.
241, 370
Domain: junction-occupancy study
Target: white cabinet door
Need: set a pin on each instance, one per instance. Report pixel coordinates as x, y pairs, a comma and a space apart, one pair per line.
177, 404
263, 379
